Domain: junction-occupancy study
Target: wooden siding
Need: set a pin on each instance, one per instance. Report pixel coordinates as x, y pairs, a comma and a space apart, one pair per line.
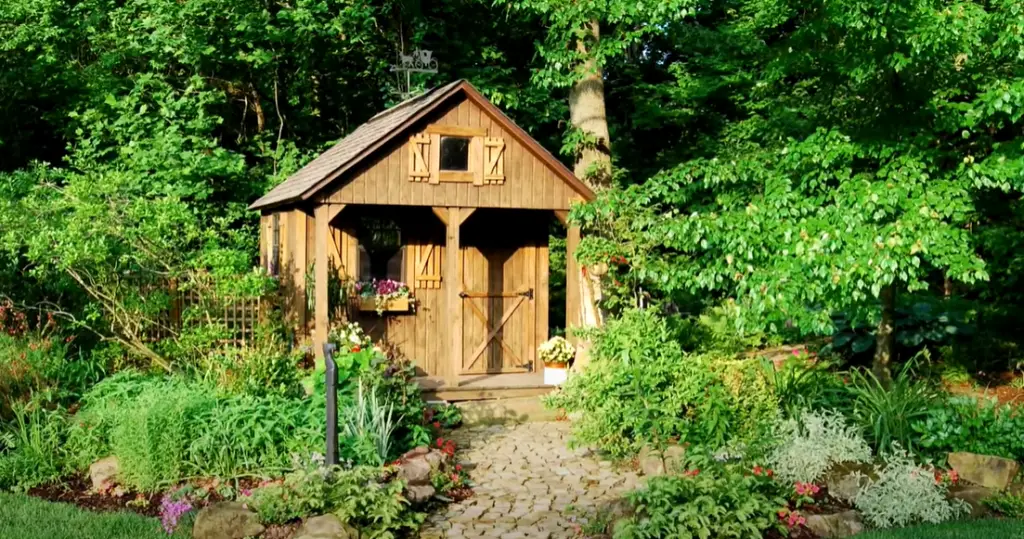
384, 179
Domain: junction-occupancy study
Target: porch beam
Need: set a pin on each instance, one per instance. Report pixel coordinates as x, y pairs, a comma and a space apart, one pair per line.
333, 210
322, 239
464, 214
452, 278
563, 217
441, 213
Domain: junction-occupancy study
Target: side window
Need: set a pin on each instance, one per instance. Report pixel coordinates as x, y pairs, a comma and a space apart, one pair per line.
381, 254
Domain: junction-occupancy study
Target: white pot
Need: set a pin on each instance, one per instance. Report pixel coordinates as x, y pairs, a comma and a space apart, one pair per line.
555, 376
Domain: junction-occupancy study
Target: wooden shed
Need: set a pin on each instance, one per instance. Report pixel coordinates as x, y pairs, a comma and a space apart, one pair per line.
446, 194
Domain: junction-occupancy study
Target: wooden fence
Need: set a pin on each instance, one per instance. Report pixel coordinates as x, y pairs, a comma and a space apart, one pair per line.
239, 316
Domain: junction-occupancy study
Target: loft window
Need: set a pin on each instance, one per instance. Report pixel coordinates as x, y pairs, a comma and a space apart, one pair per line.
380, 241
455, 153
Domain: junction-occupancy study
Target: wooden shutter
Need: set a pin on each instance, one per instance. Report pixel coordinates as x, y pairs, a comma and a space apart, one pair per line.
494, 161
426, 266
419, 153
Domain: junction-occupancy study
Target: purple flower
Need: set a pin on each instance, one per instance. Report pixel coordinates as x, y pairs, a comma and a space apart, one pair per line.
171, 512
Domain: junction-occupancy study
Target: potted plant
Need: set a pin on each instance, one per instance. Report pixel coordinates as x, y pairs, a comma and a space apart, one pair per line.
383, 295
556, 353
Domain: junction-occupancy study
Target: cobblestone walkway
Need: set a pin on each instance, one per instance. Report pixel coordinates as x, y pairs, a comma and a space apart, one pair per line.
525, 478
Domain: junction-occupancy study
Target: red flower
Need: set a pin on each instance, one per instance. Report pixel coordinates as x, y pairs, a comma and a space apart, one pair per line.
356, 348
458, 467
440, 442
455, 478
437, 424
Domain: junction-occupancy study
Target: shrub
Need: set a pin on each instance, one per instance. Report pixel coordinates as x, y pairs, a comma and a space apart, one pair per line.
641, 388
357, 496
1008, 505
41, 367
967, 424
887, 413
811, 443
165, 429
368, 424
710, 499
799, 385
32, 448
905, 494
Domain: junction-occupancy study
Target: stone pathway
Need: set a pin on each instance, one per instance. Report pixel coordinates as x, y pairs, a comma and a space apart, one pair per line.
526, 478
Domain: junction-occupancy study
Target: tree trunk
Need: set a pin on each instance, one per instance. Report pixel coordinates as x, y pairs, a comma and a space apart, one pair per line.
593, 166
885, 337
587, 113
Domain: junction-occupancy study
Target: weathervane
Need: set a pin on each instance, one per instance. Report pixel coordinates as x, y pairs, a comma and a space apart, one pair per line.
419, 61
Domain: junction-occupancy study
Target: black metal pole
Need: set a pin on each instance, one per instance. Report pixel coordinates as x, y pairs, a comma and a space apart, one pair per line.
332, 405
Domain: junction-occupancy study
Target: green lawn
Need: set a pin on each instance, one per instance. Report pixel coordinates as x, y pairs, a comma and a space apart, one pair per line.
24, 517
974, 529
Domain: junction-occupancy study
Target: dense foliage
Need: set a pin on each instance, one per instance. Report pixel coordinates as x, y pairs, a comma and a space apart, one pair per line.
641, 388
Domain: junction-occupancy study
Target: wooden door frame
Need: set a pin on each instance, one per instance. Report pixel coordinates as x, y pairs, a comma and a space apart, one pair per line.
492, 331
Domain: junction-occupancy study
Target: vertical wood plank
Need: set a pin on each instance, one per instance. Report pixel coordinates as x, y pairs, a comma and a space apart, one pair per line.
321, 214
299, 269
530, 321
572, 281
543, 301
454, 302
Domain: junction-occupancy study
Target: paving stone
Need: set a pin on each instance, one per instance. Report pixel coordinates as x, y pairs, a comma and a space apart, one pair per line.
525, 477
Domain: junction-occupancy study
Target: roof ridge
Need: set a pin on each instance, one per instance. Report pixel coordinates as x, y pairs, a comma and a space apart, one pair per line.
412, 100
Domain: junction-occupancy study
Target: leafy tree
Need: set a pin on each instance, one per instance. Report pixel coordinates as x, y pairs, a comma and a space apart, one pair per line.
844, 166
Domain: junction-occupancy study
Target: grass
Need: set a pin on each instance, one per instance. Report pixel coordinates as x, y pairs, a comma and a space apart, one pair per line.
970, 529
26, 517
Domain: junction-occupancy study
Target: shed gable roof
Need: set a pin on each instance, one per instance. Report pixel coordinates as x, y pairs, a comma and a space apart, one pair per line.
386, 126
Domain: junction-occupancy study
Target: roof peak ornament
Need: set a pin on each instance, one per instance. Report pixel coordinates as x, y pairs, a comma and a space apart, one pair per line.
418, 61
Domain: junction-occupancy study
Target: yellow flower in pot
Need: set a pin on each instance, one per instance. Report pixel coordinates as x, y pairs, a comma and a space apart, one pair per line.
556, 353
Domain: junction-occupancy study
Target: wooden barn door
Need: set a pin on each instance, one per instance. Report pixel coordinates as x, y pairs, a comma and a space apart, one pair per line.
498, 308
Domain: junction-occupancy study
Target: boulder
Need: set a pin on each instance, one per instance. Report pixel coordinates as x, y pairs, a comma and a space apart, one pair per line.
417, 452
844, 481
973, 496
226, 520
325, 527
103, 473
659, 462
418, 494
415, 471
435, 458
842, 524
987, 471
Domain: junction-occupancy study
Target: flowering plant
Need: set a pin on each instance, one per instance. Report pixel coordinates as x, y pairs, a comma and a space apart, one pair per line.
381, 291
805, 493
557, 351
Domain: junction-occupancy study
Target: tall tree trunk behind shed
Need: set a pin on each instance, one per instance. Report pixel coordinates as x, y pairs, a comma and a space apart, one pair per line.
885, 337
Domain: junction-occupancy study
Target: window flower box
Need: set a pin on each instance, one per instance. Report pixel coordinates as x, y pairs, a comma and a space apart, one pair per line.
383, 296
396, 305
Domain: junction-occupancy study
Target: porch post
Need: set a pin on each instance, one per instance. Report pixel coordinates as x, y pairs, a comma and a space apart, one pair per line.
453, 280
321, 239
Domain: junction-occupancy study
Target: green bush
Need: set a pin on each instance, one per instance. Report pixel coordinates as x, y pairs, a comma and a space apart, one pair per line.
32, 450
1008, 505
711, 499
641, 388
967, 424
166, 429
41, 367
358, 496
810, 443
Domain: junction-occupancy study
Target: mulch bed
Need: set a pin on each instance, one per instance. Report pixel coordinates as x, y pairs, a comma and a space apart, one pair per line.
997, 385
78, 491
